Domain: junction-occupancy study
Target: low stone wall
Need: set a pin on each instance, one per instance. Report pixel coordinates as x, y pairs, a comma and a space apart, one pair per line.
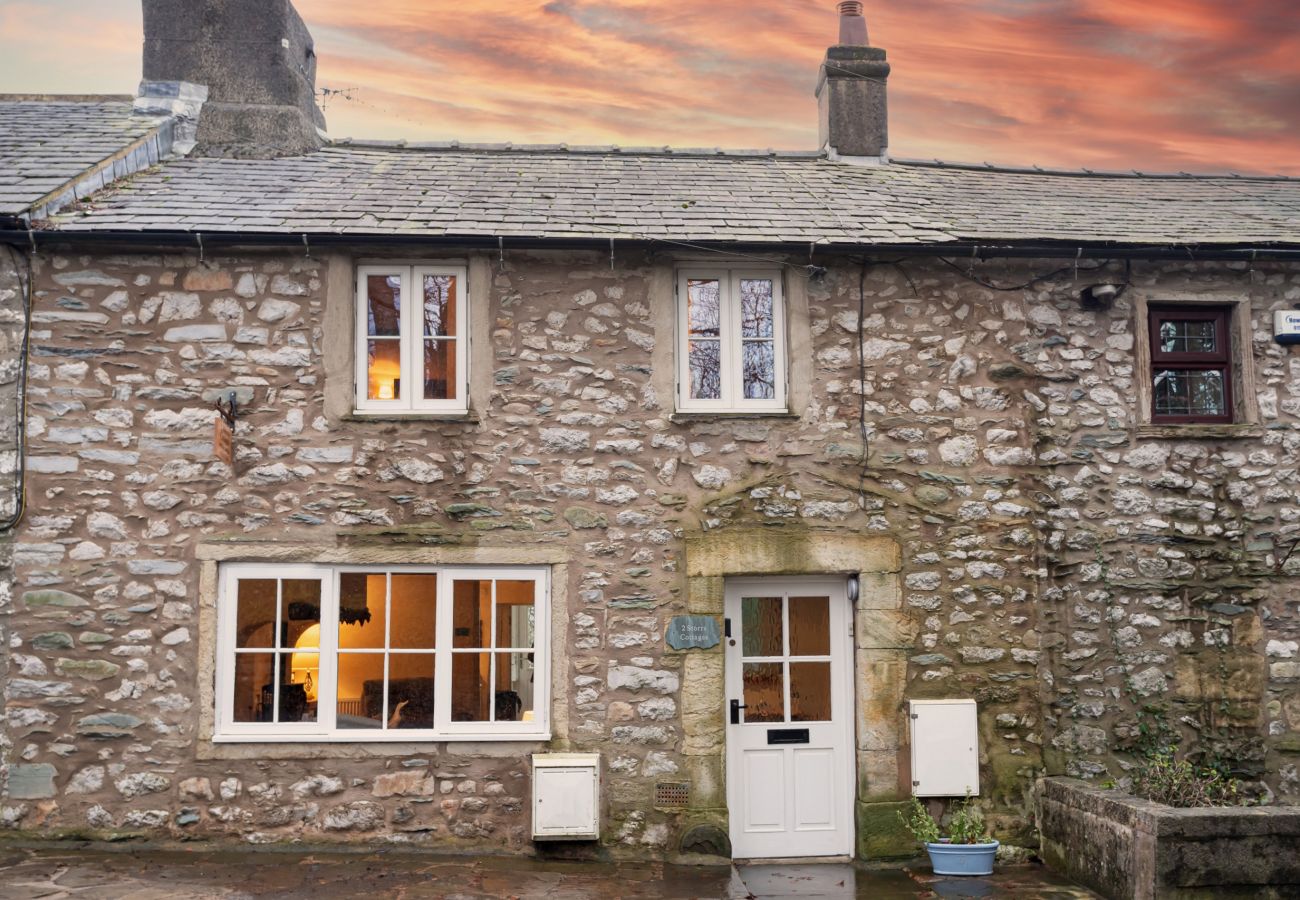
1126, 847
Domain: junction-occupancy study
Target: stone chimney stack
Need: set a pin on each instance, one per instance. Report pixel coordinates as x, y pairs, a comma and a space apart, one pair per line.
852, 104
249, 64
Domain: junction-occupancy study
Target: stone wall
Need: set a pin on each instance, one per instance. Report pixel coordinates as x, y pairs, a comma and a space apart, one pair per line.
1003, 459
1125, 847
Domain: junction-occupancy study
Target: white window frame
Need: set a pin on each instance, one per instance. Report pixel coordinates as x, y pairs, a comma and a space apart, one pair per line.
732, 399
411, 343
325, 729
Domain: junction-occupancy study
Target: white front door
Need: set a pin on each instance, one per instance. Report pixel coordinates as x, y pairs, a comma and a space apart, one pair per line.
790, 762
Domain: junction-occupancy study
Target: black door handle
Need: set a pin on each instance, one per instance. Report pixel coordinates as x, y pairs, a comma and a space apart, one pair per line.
736, 707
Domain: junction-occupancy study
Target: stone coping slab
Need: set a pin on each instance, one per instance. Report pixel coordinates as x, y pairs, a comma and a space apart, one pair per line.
1168, 821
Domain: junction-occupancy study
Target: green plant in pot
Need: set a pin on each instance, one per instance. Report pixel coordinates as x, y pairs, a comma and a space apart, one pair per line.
967, 850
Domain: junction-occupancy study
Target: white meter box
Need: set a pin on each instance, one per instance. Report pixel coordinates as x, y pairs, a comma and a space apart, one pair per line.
1286, 326
566, 796
945, 748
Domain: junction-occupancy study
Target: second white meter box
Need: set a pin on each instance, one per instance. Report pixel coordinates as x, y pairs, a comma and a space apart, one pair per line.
566, 796
945, 748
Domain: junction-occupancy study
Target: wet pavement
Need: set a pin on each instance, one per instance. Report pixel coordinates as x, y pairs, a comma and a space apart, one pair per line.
71, 871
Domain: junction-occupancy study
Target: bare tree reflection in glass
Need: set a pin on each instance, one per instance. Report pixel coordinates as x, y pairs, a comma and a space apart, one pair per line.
704, 322
758, 351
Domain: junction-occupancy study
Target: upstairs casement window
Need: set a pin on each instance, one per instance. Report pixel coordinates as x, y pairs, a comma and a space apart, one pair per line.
412, 343
731, 347
345, 654
1191, 365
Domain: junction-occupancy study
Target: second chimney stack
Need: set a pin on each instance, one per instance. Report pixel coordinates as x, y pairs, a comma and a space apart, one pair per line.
852, 102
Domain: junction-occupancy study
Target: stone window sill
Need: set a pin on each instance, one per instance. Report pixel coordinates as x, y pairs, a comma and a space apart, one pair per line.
212, 750
685, 418
1191, 432
470, 417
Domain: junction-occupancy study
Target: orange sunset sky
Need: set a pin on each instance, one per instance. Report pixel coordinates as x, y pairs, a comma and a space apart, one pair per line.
1197, 85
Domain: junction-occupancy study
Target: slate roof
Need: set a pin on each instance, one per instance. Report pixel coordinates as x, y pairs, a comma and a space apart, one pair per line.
693, 196
50, 145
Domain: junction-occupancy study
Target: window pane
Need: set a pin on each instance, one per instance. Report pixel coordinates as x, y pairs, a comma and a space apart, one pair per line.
761, 629
410, 690
383, 370
471, 676
471, 613
512, 701
361, 610
255, 613
1177, 336
296, 669
1194, 393
703, 307
254, 685
756, 299
810, 626
383, 305
810, 692
764, 693
361, 690
706, 370
759, 360
516, 605
415, 601
299, 613
440, 305
439, 370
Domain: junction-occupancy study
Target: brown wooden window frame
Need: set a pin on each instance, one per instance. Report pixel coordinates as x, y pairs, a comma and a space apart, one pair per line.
1221, 360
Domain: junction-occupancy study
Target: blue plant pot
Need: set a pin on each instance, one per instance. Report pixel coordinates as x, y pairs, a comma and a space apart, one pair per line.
962, 859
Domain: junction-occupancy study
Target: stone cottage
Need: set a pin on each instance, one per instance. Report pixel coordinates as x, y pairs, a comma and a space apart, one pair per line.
357, 478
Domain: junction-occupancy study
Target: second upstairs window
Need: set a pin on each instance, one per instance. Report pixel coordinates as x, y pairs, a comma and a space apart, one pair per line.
731, 346
412, 343
1191, 365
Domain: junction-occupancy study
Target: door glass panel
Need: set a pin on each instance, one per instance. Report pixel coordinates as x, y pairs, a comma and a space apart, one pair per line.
764, 692
810, 692
762, 633
810, 626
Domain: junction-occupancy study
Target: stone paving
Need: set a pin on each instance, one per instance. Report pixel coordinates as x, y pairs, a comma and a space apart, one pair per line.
72, 871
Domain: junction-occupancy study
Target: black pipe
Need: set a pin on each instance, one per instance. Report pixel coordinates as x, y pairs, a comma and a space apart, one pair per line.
1262, 252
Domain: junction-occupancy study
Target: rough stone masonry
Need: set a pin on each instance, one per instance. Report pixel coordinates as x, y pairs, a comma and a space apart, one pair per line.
1092, 583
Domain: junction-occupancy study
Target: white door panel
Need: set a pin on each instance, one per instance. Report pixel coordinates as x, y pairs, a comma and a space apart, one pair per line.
790, 775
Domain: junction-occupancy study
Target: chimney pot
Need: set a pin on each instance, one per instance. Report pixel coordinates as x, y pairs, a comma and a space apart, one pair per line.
853, 27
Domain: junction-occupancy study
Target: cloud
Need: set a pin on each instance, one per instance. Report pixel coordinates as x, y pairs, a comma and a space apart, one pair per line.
1157, 84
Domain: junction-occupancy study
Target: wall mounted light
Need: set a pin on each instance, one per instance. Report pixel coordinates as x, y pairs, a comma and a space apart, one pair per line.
1099, 296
